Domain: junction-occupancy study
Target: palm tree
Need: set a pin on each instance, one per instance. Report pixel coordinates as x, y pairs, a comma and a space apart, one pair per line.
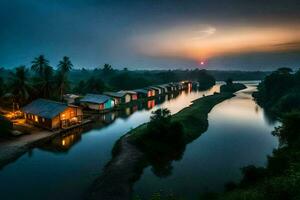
44, 79
47, 81
39, 64
19, 86
64, 66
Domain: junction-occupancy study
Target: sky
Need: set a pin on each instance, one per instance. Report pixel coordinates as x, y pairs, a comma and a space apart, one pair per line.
152, 34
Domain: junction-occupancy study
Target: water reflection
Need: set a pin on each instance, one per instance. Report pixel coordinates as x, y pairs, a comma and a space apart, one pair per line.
238, 135
67, 175
63, 143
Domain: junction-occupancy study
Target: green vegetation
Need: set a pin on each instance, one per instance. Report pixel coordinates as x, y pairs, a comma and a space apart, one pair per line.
280, 179
165, 137
279, 92
5, 126
232, 87
22, 85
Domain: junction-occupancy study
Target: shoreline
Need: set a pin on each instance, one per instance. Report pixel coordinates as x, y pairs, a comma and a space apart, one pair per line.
122, 175
11, 150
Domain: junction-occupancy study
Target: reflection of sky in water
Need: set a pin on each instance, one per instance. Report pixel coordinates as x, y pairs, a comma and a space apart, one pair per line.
46, 175
238, 135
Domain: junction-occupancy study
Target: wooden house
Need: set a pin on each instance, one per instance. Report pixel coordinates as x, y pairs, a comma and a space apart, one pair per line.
173, 88
168, 88
51, 114
119, 97
97, 102
71, 98
163, 88
150, 92
158, 91
133, 94
141, 93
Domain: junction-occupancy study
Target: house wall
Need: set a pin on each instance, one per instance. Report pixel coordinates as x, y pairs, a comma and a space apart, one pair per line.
93, 106
55, 123
117, 100
109, 104
127, 98
38, 121
134, 97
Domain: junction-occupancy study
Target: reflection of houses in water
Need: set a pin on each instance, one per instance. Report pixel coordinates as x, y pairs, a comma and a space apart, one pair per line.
109, 117
64, 142
150, 104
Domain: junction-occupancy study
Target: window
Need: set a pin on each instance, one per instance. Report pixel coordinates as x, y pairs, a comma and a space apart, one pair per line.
36, 118
43, 119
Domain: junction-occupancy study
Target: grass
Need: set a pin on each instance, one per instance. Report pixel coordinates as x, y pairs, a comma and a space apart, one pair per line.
193, 118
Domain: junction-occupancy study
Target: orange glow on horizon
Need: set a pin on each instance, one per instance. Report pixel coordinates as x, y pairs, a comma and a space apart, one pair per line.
192, 42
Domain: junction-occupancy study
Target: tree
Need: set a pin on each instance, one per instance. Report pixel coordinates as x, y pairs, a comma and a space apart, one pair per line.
205, 80
107, 68
6, 126
44, 79
39, 64
95, 85
19, 85
64, 66
288, 132
2, 87
80, 88
229, 81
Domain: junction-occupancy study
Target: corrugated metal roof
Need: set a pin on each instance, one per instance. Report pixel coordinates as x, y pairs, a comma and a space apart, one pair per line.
45, 108
95, 98
127, 91
141, 91
155, 87
71, 96
115, 94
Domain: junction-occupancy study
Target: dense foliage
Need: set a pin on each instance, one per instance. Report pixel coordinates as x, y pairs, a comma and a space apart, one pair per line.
5, 126
232, 87
280, 91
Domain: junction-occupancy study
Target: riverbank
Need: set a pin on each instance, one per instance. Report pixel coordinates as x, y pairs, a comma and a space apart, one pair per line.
279, 94
122, 174
12, 149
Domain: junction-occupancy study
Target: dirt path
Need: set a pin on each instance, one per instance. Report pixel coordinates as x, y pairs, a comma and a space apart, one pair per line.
12, 149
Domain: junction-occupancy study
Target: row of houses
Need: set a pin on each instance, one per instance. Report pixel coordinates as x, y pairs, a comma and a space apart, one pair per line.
109, 100
54, 115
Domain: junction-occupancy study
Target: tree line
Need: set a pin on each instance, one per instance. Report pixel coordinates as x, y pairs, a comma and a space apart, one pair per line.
41, 80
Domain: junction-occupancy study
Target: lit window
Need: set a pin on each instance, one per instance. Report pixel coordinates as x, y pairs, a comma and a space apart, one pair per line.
43, 119
36, 118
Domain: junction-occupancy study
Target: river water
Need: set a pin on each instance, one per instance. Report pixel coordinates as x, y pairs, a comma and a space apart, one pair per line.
239, 134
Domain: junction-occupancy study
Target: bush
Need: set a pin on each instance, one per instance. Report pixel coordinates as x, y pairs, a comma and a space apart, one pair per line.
288, 103
5, 126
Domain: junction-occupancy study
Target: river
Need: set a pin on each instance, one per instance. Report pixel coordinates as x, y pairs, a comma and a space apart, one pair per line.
239, 134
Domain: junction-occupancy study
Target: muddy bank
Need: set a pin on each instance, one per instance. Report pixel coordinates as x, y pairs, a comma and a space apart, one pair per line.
120, 173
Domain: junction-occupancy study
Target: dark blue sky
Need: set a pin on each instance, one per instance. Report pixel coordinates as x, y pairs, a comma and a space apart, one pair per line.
152, 34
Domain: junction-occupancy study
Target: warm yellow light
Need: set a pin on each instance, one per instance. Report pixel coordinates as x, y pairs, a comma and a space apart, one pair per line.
63, 142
